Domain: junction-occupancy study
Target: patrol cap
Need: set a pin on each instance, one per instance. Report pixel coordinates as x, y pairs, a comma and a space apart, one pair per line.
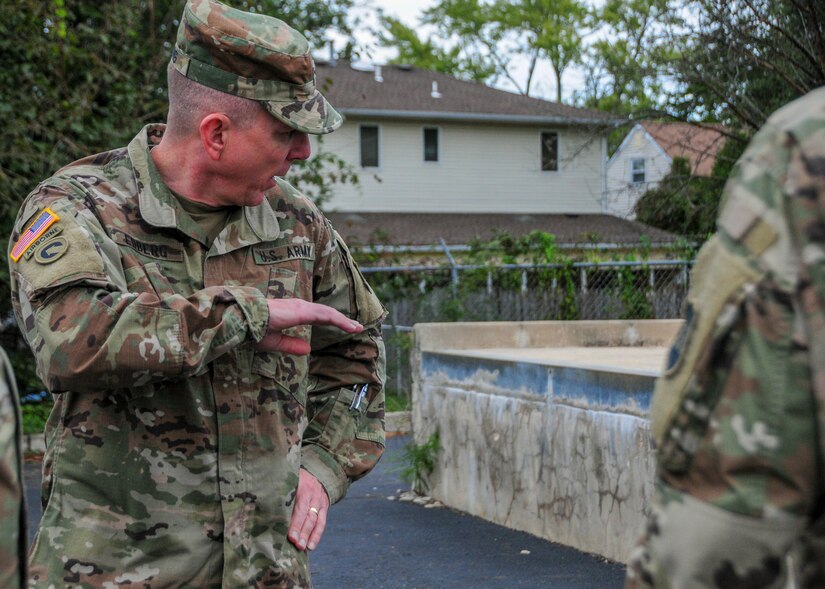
253, 56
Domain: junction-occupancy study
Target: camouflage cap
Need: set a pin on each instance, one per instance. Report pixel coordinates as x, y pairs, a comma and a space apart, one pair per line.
254, 56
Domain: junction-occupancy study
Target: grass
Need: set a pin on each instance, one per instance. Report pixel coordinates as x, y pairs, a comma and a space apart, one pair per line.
395, 402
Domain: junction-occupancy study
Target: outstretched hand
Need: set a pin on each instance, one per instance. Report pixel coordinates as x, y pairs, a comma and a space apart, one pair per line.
286, 313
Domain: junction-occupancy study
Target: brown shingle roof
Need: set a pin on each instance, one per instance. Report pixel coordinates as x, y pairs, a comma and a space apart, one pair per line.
461, 228
698, 144
407, 90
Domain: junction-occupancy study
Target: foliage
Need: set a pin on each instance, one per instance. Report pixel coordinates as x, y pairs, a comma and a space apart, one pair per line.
741, 60
35, 409
316, 176
428, 55
419, 463
681, 203
685, 204
484, 37
623, 65
396, 402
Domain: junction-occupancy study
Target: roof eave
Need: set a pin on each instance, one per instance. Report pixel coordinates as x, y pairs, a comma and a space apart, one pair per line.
471, 117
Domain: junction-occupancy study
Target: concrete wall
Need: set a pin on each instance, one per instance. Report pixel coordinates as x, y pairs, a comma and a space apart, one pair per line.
543, 425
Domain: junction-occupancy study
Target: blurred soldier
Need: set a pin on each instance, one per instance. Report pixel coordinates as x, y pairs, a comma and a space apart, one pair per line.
13, 537
214, 350
739, 415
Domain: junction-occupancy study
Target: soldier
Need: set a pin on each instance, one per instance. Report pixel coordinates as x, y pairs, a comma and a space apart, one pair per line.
739, 414
214, 352
13, 537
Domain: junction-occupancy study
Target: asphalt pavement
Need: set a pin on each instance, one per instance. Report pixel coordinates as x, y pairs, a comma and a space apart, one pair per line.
373, 542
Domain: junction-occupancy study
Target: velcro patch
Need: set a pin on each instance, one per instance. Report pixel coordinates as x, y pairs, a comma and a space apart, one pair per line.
33, 232
283, 253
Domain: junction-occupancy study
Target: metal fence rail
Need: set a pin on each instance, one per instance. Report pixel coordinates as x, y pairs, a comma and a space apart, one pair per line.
525, 292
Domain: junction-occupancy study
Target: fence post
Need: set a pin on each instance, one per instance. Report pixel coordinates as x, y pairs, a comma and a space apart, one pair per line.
584, 280
453, 268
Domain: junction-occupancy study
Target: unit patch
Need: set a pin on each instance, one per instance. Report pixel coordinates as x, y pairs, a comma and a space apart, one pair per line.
51, 250
283, 253
50, 233
33, 233
159, 251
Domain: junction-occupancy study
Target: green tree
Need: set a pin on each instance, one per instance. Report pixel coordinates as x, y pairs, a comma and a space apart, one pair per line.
427, 54
486, 36
623, 65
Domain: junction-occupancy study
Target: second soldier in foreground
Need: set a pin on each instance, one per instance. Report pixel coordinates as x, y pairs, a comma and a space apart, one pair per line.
739, 415
167, 290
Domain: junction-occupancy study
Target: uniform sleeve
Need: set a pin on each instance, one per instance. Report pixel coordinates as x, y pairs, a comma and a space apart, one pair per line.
345, 436
91, 328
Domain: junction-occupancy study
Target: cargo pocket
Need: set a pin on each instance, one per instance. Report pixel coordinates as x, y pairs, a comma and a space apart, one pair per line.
682, 402
337, 419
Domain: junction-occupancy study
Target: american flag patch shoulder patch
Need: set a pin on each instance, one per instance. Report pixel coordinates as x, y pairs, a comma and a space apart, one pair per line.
38, 227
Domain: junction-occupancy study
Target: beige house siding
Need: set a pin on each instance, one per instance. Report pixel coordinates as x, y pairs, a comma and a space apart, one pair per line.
481, 168
622, 193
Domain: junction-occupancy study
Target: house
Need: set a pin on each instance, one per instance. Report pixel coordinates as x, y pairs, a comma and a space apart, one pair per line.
646, 154
441, 160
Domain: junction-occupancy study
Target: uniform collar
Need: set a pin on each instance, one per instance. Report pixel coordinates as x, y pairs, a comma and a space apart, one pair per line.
160, 208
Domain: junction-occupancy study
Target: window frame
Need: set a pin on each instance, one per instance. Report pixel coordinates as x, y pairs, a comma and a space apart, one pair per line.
438, 134
542, 133
378, 157
634, 171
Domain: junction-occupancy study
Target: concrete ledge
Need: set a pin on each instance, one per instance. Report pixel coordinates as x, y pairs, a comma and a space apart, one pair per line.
549, 436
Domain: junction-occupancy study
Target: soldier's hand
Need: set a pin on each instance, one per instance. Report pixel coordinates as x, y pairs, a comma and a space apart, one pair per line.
309, 516
286, 313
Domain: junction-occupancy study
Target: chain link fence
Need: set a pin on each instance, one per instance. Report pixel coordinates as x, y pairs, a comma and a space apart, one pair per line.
653, 289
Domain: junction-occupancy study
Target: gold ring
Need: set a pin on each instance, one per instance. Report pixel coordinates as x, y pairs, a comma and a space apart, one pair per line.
314, 510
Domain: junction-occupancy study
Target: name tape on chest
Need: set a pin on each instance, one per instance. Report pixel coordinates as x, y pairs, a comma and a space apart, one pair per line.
35, 233
159, 251
284, 253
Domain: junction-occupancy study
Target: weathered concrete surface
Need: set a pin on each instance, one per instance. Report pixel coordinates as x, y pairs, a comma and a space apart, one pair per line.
548, 436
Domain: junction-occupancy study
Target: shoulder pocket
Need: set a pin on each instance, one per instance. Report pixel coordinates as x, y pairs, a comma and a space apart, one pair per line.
720, 282
64, 254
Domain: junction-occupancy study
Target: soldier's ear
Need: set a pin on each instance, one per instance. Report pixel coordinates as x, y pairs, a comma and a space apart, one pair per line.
214, 133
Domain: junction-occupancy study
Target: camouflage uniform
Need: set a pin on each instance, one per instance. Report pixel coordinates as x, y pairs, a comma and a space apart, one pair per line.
13, 536
739, 415
174, 448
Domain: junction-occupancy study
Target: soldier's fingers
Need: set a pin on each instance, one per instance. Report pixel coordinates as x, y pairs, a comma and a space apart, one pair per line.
285, 313
315, 520
318, 530
296, 524
278, 342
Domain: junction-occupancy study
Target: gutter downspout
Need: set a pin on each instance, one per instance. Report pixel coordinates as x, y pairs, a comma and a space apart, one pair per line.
604, 174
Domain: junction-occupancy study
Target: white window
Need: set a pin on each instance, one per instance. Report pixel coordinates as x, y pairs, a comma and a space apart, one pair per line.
368, 136
637, 170
431, 144
549, 151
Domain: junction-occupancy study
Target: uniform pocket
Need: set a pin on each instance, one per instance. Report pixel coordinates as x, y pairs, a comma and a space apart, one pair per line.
287, 371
